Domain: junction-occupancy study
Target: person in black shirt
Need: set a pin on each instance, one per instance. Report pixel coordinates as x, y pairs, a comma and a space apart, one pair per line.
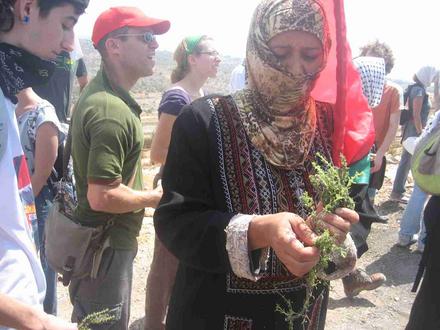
58, 90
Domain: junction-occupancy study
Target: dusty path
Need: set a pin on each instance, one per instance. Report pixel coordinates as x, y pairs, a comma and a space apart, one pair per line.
385, 308
389, 306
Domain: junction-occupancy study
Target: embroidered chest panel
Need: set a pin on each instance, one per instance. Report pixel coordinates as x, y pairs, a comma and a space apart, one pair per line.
253, 186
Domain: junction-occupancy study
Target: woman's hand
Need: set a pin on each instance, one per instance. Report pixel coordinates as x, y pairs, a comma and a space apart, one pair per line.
338, 224
289, 236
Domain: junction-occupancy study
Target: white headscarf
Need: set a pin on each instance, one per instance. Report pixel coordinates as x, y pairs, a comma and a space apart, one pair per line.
372, 72
426, 75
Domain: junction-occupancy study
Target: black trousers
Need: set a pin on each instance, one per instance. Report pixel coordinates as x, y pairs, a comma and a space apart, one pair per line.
425, 312
367, 215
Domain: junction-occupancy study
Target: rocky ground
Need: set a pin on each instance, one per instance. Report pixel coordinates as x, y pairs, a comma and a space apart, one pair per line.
387, 307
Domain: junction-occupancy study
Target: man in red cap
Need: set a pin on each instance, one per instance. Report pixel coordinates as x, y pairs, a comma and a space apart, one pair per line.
107, 140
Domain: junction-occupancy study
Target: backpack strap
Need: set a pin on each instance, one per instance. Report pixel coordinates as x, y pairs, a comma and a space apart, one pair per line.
421, 269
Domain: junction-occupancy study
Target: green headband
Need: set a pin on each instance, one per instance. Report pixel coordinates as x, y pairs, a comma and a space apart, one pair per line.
191, 42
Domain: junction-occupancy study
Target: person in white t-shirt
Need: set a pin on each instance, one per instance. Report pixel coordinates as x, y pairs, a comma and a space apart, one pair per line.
30, 31
238, 77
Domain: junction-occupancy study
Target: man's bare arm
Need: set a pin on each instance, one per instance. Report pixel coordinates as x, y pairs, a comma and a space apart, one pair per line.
417, 109
389, 137
115, 197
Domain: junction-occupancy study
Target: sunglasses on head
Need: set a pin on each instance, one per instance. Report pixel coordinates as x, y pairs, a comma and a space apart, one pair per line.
147, 36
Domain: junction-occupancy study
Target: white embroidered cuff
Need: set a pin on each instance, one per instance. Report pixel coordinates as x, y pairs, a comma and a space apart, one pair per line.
238, 250
343, 264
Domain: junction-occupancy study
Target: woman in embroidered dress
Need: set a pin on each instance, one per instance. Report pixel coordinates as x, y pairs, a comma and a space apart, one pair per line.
236, 169
197, 60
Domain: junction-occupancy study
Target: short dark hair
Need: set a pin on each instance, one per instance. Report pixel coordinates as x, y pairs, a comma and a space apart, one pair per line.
6, 15
380, 49
100, 47
47, 5
7, 10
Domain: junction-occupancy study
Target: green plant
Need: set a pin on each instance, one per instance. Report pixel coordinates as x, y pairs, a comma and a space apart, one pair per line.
96, 318
333, 187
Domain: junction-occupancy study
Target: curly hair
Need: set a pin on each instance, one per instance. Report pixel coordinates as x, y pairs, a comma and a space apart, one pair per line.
6, 15
379, 49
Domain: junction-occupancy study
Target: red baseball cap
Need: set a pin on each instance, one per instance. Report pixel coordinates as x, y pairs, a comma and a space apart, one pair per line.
117, 17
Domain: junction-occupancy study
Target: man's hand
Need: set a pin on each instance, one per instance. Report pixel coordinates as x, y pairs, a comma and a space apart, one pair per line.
156, 195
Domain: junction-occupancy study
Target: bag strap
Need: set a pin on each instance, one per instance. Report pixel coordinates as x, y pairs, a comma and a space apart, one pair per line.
420, 270
67, 149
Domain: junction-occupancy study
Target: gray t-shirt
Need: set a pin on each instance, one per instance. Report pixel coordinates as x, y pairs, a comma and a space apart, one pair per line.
28, 124
420, 91
409, 129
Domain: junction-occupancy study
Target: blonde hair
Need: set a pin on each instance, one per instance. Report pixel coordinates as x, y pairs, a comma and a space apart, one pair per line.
181, 57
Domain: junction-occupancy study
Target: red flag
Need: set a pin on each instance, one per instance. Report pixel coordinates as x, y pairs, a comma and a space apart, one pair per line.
340, 84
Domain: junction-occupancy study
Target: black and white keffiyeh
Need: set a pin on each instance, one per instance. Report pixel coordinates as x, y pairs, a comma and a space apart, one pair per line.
20, 69
372, 72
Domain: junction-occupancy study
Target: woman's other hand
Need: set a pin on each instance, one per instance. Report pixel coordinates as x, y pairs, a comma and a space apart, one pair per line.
338, 223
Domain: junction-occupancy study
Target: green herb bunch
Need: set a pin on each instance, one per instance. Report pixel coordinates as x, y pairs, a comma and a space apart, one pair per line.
101, 317
333, 187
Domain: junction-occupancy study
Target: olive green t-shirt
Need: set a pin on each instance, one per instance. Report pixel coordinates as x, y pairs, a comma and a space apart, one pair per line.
107, 140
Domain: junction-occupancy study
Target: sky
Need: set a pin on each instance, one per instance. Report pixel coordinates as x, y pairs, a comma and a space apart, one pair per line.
410, 27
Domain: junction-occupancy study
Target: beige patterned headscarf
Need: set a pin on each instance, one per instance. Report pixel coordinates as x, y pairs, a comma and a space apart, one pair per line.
276, 108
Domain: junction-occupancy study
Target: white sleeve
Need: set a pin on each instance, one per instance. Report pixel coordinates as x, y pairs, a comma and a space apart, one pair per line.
237, 81
238, 250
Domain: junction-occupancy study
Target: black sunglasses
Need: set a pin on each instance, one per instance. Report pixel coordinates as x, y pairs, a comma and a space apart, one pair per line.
148, 36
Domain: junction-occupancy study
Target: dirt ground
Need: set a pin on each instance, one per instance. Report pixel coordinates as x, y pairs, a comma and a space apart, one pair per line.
387, 307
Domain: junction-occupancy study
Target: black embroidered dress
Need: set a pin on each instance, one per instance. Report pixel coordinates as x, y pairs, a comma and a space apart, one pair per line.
212, 173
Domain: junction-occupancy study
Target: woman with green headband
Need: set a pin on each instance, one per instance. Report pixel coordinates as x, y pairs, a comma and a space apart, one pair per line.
197, 60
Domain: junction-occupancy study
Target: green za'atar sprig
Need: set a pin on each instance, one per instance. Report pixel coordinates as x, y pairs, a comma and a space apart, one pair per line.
332, 185
96, 318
